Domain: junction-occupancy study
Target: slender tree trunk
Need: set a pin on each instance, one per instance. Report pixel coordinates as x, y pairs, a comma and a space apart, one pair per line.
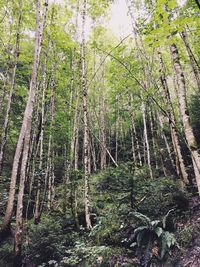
146, 139
164, 137
180, 166
93, 152
26, 125
41, 137
191, 141
102, 138
153, 140
85, 119
20, 206
7, 115
51, 159
31, 166
133, 145
137, 141
49, 182
136, 152
102, 125
89, 157
47, 174
65, 179
76, 146
116, 137
26, 134
192, 58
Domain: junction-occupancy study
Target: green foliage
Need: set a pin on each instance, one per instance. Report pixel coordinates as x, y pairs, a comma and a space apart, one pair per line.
119, 197
83, 255
48, 241
161, 194
186, 235
6, 252
148, 234
107, 230
96, 9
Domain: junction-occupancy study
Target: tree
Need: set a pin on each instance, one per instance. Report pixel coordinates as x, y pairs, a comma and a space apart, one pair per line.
85, 121
12, 85
191, 141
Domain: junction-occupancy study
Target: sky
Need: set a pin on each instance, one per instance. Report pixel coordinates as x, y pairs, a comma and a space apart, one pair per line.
119, 22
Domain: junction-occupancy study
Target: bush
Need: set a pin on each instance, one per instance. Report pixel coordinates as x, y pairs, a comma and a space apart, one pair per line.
83, 255
107, 230
6, 253
47, 241
151, 238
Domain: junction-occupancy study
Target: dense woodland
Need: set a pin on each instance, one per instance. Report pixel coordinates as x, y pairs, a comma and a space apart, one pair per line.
99, 136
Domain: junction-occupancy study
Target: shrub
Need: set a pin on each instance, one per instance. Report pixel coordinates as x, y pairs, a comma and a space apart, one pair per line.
47, 241
83, 255
151, 238
107, 230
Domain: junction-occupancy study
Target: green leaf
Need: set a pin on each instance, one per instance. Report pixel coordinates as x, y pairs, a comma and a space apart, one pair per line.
141, 217
159, 231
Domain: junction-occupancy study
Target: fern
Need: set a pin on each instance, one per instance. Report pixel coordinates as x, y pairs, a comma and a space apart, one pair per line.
143, 218
148, 232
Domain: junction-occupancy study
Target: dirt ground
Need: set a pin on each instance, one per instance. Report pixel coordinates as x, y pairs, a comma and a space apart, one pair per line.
191, 257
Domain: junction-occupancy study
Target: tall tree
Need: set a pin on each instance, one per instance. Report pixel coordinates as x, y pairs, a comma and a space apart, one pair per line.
191, 141
24, 136
180, 166
12, 85
85, 121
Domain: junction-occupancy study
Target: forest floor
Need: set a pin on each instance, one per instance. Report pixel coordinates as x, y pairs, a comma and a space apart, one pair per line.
191, 256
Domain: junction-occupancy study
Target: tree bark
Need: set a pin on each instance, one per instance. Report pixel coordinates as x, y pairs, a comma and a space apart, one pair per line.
26, 125
180, 166
164, 137
193, 61
85, 119
143, 108
153, 140
26, 132
191, 141
12, 86
136, 152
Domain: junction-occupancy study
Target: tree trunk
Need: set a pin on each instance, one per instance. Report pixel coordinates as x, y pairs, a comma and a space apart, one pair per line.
136, 152
164, 137
146, 139
41, 136
24, 138
191, 141
116, 135
153, 140
93, 152
193, 61
65, 179
16, 58
133, 145
180, 166
19, 214
85, 119
102, 126
26, 125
